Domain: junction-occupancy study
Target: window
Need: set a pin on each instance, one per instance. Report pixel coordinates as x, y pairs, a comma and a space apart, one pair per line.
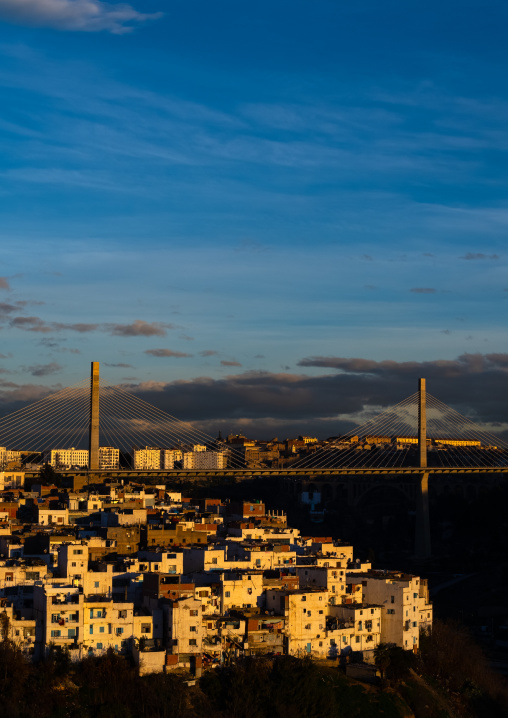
193, 629
55, 634
214, 560
96, 584
77, 551
99, 645
227, 594
91, 630
72, 633
194, 613
391, 611
101, 629
392, 599
55, 617
193, 642
145, 628
119, 631
358, 639
304, 598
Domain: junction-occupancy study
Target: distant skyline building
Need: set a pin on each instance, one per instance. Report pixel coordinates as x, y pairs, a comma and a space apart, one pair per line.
109, 457
67, 458
204, 460
148, 458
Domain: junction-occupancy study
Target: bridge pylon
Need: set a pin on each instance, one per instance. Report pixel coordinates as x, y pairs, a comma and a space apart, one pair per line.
93, 429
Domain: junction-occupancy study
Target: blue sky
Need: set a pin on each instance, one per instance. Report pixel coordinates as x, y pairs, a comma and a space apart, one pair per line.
208, 191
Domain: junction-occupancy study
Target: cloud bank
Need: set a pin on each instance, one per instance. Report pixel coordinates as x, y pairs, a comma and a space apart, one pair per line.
264, 404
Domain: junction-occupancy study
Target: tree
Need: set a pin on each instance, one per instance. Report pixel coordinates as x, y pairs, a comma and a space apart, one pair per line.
48, 475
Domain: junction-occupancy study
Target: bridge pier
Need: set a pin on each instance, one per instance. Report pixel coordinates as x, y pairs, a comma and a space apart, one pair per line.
422, 529
422, 532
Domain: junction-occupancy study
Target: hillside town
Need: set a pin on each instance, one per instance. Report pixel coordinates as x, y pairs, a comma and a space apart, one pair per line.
178, 582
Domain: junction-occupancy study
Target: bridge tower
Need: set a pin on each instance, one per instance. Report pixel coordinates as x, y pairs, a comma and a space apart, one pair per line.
422, 536
93, 430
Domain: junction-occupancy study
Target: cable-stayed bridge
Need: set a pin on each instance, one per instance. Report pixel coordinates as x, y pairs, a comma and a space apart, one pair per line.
418, 437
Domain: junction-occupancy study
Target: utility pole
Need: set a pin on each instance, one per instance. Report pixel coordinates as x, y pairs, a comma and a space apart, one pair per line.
422, 533
93, 435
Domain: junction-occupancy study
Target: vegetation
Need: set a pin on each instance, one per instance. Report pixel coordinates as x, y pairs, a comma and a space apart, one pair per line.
448, 678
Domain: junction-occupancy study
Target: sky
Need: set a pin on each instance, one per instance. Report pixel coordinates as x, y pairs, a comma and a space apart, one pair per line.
263, 217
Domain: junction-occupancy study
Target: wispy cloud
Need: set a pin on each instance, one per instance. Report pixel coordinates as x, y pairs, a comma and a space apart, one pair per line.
30, 324
166, 353
479, 255
211, 352
137, 328
140, 328
44, 369
74, 15
423, 290
230, 363
4, 284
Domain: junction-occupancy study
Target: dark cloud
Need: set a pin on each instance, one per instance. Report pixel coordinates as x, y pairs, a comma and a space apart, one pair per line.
166, 353
230, 363
423, 290
428, 254
207, 353
4, 284
446, 331
479, 255
367, 258
140, 328
44, 369
119, 365
474, 384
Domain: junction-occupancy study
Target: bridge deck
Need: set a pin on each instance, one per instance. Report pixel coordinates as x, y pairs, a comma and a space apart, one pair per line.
283, 473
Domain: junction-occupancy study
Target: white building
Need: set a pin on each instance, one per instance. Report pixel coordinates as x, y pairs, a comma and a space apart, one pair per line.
204, 460
148, 458
109, 457
67, 458
12, 480
405, 605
